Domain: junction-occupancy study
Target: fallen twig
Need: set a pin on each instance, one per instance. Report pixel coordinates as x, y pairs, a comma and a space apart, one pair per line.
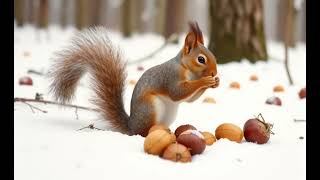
24, 100
31, 71
90, 126
33, 107
299, 120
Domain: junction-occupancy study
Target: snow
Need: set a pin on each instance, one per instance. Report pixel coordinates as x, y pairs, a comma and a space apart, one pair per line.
49, 145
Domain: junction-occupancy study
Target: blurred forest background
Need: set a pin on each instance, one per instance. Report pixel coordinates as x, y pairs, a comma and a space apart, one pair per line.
236, 28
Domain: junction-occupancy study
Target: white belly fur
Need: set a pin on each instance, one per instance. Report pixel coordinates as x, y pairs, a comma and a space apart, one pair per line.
166, 109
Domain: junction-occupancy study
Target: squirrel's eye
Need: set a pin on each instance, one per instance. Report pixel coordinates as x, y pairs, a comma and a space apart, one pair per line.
201, 60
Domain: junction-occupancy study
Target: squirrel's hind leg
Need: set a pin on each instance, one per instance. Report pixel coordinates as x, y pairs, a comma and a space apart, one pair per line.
142, 118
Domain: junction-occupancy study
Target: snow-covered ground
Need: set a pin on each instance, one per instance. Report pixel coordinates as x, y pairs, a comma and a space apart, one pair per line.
48, 145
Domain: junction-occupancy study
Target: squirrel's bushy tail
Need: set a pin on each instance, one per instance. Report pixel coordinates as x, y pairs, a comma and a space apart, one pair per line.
91, 51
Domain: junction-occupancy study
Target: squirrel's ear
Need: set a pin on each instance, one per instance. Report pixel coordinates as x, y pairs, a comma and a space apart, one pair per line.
190, 42
199, 34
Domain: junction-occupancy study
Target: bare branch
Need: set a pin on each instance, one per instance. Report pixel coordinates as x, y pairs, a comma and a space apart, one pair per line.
24, 100
33, 107
90, 126
287, 28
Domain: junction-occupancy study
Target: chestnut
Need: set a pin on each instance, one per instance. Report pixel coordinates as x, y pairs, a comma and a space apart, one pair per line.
183, 128
274, 101
196, 144
303, 93
257, 131
26, 80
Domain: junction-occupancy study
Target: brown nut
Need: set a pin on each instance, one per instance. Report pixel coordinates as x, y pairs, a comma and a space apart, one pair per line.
229, 131
209, 138
235, 85
196, 144
177, 152
183, 128
159, 126
254, 78
278, 88
157, 141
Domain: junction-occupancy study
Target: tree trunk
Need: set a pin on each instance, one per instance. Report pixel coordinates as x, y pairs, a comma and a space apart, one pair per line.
18, 11
95, 9
160, 16
125, 13
283, 12
174, 17
136, 16
30, 11
82, 14
287, 32
43, 14
63, 13
236, 30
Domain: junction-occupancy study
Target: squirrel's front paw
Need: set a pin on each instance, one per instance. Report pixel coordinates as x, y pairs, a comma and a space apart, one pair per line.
217, 81
208, 81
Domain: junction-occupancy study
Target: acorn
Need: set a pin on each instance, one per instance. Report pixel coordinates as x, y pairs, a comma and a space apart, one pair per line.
257, 130
303, 93
194, 140
274, 101
235, 85
156, 142
177, 152
229, 131
209, 138
183, 128
278, 88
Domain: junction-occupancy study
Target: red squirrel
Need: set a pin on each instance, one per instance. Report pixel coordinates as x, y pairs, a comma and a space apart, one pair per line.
158, 92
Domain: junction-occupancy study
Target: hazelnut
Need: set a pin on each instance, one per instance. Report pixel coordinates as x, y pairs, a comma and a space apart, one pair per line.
177, 152
183, 128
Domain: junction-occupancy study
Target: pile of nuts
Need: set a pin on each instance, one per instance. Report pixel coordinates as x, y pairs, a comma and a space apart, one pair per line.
187, 141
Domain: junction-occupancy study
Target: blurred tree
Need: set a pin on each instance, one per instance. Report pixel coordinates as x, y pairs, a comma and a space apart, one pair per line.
64, 13
125, 15
136, 15
288, 35
95, 11
284, 9
236, 30
174, 17
160, 16
31, 11
43, 14
19, 11
82, 13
